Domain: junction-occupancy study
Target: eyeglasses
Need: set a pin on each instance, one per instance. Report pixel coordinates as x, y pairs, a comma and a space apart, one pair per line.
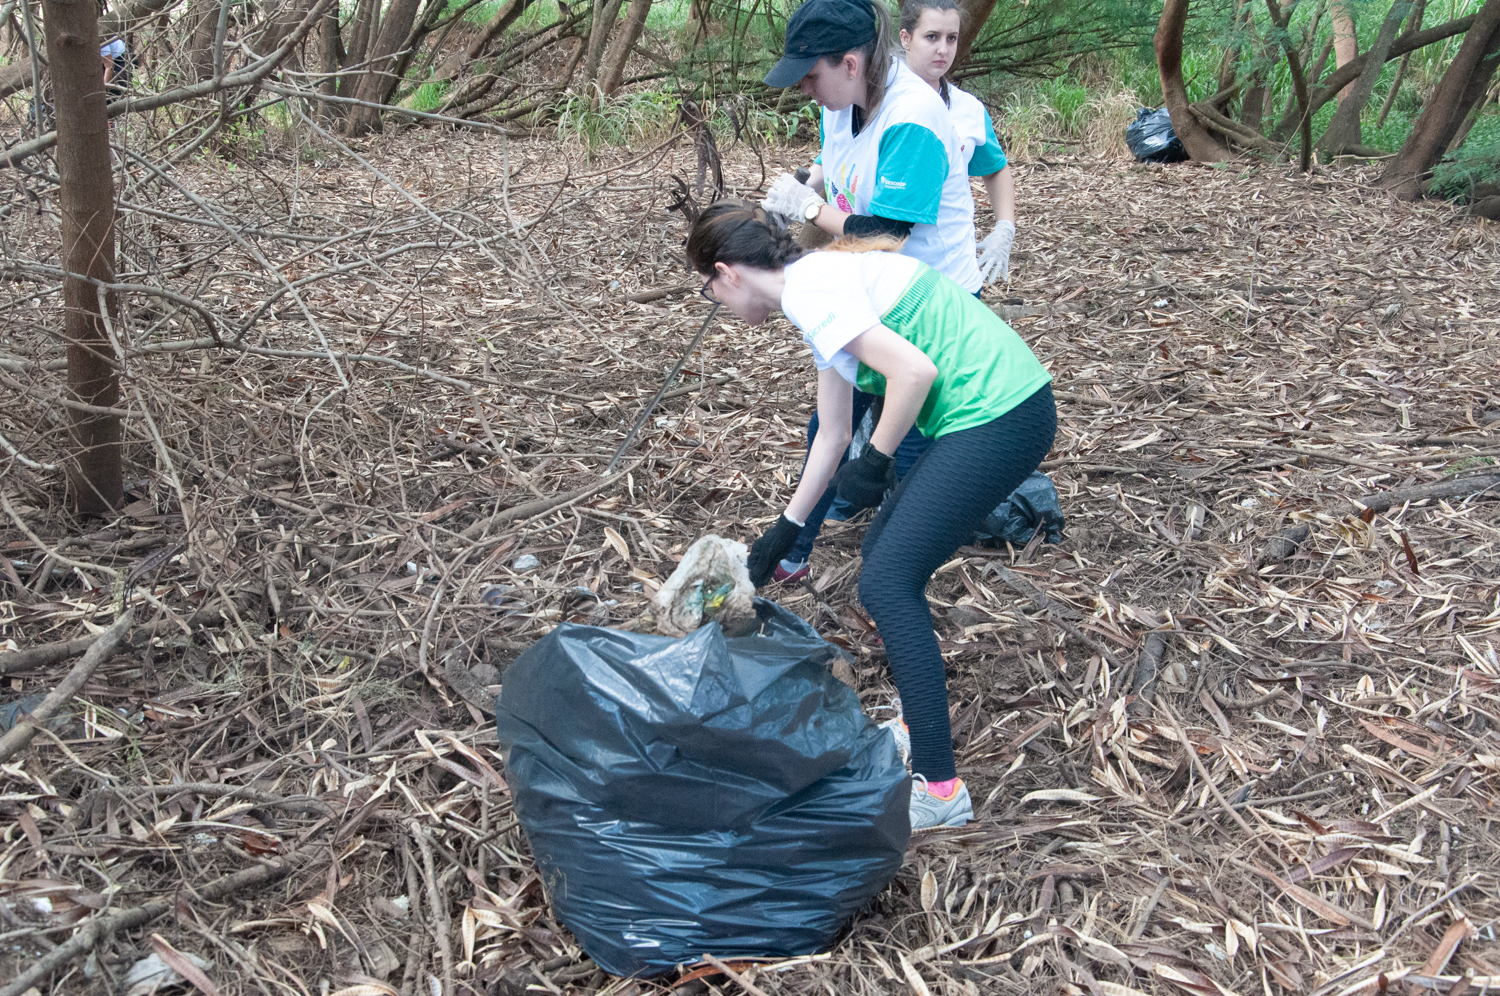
708, 294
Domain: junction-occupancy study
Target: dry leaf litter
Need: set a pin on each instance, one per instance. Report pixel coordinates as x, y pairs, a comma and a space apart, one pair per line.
1237, 734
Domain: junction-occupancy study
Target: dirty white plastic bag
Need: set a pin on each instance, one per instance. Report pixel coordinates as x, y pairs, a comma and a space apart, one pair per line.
711, 584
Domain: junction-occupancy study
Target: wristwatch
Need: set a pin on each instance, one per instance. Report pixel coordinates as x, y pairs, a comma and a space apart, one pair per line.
810, 212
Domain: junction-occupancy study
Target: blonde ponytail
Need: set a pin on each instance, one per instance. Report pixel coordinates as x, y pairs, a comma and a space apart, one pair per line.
865, 243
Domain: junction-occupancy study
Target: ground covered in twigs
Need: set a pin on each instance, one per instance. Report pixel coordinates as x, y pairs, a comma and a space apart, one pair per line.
358, 405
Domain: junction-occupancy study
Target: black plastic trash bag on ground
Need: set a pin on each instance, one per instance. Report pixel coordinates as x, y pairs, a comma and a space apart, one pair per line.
1033, 505
703, 794
1151, 138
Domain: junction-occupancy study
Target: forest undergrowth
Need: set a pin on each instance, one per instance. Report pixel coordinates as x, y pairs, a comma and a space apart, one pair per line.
1237, 733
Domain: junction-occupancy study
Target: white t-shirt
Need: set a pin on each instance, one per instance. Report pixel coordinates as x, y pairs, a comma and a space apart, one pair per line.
835, 296
977, 143
112, 49
906, 164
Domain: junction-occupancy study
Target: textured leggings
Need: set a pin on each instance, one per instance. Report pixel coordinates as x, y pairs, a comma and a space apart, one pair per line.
933, 511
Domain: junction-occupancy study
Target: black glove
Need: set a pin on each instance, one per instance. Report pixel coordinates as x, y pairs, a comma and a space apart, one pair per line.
767, 551
864, 482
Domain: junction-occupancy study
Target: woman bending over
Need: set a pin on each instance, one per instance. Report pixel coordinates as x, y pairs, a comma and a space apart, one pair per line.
893, 326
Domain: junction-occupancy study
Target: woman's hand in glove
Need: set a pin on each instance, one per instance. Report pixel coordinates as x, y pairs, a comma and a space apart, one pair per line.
766, 552
863, 482
994, 252
789, 198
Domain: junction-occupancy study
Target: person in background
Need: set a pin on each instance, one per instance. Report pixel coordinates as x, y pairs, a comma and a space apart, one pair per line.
943, 363
115, 55
929, 33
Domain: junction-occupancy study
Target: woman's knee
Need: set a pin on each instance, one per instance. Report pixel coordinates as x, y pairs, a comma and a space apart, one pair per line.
884, 590
874, 595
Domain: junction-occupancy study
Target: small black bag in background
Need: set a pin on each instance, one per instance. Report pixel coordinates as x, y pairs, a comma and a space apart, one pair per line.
703, 794
1151, 138
1032, 506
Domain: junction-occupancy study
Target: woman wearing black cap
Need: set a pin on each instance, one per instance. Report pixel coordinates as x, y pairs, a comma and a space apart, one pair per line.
891, 159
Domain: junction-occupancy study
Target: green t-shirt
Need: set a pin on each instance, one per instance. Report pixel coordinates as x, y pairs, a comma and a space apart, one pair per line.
984, 368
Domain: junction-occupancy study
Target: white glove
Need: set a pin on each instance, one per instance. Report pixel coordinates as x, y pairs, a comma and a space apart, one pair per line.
994, 253
789, 198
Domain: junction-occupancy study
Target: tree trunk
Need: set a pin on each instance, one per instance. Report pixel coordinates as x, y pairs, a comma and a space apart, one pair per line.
1463, 85
366, 23
86, 197
1258, 96
1229, 63
1470, 120
1196, 139
1344, 130
504, 18
1408, 42
1345, 39
1299, 83
976, 12
613, 72
381, 77
1415, 24
279, 27
566, 76
605, 14
200, 44
330, 58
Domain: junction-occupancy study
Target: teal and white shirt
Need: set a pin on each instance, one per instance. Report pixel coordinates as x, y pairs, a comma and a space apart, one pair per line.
976, 132
906, 164
984, 368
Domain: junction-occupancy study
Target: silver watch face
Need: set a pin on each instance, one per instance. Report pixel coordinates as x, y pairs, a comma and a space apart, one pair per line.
811, 211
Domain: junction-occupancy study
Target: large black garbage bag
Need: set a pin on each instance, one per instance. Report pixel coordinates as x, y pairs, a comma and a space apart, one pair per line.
1032, 506
702, 794
1151, 138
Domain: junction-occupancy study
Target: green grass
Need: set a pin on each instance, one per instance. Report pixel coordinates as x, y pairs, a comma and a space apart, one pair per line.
428, 97
624, 120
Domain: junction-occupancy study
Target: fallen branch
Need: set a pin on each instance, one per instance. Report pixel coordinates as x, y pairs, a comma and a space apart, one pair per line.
1147, 666
101, 928
20, 735
1464, 486
1211, 118
531, 508
304, 804
51, 653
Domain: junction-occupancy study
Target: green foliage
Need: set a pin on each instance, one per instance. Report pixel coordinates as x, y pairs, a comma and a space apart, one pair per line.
1042, 38
1068, 100
1476, 161
428, 97
626, 119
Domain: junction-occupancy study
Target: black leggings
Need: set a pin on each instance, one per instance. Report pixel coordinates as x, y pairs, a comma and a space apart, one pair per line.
934, 510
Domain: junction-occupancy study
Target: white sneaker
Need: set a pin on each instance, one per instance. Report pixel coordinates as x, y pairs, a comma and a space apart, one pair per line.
897, 725
930, 812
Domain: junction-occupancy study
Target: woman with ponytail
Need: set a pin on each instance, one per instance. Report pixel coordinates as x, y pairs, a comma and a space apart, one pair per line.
943, 362
929, 33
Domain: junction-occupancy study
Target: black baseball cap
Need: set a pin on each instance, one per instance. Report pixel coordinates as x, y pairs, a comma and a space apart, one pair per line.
819, 28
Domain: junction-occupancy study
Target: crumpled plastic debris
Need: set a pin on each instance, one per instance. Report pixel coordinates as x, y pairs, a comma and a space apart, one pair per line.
711, 584
10, 712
